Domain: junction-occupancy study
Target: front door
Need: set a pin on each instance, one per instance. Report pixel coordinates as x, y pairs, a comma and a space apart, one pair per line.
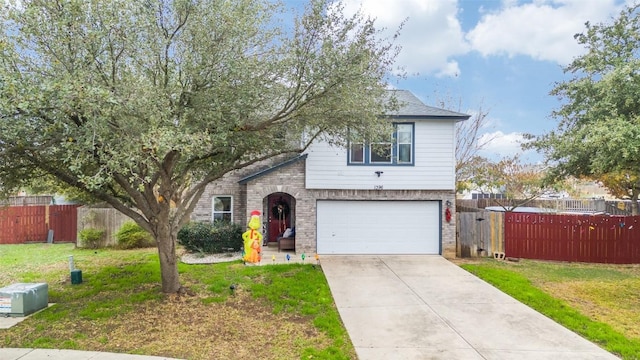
279, 214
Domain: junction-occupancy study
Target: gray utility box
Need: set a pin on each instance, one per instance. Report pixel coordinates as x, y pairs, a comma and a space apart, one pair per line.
22, 299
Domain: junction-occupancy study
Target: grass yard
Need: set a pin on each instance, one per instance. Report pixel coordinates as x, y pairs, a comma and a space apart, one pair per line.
600, 302
275, 311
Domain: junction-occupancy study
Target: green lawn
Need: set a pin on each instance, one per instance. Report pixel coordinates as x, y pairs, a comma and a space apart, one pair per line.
276, 311
599, 302
273, 312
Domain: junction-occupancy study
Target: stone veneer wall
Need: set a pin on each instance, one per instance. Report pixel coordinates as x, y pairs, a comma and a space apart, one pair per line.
290, 180
227, 185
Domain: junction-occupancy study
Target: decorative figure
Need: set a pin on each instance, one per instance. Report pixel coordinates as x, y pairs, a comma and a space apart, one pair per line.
264, 231
288, 257
303, 257
447, 215
318, 259
447, 212
280, 211
252, 239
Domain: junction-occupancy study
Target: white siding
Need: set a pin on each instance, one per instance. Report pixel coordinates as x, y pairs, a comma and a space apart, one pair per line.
326, 165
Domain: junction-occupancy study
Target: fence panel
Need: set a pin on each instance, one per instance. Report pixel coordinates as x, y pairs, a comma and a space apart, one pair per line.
23, 224
611, 207
27, 200
496, 232
63, 221
466, 233
479, 234
20, 224
107, 219
578, 238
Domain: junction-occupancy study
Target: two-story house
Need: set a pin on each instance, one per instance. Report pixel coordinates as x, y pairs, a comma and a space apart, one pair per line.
394, 197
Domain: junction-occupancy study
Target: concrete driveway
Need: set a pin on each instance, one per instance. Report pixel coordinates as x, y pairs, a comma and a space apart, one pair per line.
425, 307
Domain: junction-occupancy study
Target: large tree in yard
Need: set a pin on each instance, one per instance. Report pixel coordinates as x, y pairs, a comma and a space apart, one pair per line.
599, 121
141, 104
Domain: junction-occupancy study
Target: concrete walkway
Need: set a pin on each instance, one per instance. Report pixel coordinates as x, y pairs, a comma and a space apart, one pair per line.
48, 354
425, 307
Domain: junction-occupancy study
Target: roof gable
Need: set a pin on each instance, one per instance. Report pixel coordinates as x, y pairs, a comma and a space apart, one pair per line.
271, 169
411, 106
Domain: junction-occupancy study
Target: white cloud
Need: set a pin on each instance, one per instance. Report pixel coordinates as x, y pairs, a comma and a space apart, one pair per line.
542, 29
431, 36
502, 145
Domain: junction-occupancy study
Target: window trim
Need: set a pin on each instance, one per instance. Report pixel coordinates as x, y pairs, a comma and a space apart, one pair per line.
351, 144
388, 145
213, 207
398, 143
394, 149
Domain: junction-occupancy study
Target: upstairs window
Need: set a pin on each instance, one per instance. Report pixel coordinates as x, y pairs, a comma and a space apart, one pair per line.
404, 143
356, 153
395, 151
380, 152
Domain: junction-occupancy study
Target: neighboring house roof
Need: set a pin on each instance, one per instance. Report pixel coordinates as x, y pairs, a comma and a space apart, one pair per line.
411, 106
273, 168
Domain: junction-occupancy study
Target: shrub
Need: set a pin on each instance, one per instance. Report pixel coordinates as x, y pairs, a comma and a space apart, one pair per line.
132, 236
91, 237
210, 238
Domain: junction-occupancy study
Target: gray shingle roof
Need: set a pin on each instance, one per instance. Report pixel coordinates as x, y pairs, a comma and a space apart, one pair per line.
410, 105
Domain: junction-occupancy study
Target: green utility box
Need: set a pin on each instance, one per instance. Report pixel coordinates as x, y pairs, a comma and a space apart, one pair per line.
76, 276
22, 299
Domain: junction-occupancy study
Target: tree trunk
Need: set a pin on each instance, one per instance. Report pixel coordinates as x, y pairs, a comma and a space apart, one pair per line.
634, 200
168, 261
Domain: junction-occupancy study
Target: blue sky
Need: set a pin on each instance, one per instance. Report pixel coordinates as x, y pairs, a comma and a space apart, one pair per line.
502, 55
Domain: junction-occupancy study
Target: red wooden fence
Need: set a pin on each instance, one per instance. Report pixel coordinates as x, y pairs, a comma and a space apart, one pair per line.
21, 224
578, 238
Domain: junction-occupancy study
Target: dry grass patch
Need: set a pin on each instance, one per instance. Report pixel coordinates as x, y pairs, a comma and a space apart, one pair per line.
615, 303
185, 327
275, 311
241, 328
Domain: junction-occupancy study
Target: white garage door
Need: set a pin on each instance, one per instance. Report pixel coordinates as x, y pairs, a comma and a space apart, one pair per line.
378, 227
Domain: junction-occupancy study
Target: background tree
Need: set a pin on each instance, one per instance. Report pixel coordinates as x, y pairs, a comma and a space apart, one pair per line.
50, 185
621, 185
599, 122
519, 183
141, 104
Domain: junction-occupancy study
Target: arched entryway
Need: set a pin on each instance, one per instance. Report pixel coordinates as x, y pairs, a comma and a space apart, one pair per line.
280, 210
